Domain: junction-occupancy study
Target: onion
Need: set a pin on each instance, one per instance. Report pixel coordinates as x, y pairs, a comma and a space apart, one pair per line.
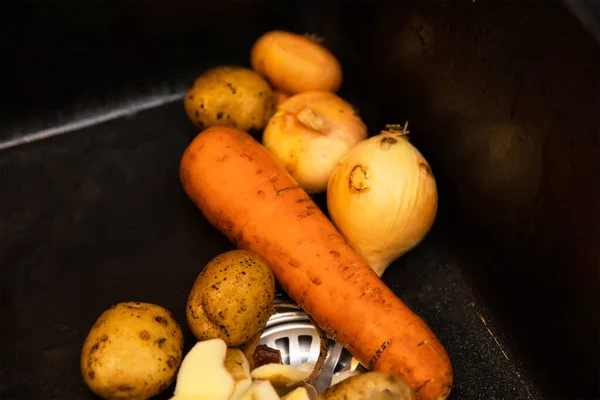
383, 197
280, 96
295, 63
310, 133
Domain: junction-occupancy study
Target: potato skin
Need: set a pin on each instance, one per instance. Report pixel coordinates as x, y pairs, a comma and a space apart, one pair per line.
369, 386
230, 96
133, 351
232, 298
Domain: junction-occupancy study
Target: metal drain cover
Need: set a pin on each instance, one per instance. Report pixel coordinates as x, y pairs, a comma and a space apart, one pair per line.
291, 331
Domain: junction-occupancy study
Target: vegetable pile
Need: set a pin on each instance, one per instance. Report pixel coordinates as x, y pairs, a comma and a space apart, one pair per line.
382, 199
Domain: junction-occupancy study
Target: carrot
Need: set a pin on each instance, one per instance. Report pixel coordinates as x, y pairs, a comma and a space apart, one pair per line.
245, 193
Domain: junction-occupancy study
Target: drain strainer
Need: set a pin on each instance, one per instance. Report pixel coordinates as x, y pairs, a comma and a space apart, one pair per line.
290, 330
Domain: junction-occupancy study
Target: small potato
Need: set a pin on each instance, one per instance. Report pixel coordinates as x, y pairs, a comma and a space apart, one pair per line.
132, 352
230, 96
232, 298
294, 63
370, 386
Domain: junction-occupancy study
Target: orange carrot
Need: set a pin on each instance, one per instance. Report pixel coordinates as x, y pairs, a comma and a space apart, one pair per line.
245, 193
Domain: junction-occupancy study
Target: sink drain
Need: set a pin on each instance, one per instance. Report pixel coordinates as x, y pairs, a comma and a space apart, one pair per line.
291, 331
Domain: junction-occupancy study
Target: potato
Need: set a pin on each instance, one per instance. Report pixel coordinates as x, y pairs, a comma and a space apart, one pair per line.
232, 298
230, 96
342, 376
281, 375
370, 386
261, 390
297, 394
203, 374
239, 368
132, 352
249, 349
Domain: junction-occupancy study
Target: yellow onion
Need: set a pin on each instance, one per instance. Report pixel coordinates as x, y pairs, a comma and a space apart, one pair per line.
310, 133
383, 197
280, 96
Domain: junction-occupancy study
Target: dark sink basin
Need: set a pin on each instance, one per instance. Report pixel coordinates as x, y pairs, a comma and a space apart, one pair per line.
503, 100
